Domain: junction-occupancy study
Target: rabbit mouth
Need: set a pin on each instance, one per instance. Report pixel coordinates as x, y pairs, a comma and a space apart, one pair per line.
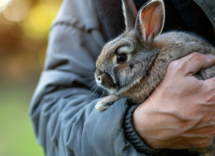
105, 81
126, 88
110, 90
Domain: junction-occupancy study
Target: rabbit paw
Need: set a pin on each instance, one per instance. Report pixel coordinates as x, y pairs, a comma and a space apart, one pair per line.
106, 102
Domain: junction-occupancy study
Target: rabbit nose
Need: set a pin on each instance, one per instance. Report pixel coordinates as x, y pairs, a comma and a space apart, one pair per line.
99, 79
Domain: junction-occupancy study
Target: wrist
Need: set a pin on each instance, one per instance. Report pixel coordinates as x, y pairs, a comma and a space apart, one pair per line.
142, 121
133, 137
157, 127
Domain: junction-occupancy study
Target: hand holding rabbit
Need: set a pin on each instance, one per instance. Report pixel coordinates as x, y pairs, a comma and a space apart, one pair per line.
136, 62
179, 114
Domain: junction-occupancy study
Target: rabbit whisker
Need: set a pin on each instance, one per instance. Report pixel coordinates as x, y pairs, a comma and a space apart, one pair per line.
95, 92
101, 95
149, 96
92, 86
152, 85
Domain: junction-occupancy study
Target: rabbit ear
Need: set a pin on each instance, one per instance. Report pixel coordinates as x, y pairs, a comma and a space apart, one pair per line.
150, 20
130, 13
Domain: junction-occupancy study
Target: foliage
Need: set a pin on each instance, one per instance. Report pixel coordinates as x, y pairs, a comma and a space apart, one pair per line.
24, 28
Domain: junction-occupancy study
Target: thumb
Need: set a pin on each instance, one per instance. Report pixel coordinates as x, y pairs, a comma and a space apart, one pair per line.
209, 61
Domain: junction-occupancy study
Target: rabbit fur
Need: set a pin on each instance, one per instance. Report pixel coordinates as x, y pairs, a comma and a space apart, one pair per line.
134, 63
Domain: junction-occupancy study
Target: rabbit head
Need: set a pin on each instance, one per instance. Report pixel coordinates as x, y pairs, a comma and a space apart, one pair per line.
125, 60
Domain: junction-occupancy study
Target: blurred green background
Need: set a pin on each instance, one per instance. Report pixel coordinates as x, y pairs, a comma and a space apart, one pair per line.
24, 28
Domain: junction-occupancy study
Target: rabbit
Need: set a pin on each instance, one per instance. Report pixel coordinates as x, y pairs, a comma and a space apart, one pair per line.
134, 63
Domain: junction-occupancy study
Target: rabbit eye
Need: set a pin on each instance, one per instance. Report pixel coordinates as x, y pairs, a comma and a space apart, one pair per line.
121, 58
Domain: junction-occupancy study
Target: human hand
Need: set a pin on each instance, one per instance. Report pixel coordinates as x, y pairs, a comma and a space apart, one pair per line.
180, 113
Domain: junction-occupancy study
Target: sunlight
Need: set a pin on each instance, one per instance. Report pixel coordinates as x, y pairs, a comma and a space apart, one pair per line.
16, 10
40, 17
3, 4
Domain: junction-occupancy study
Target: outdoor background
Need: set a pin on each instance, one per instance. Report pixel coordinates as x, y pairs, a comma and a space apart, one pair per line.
24, 28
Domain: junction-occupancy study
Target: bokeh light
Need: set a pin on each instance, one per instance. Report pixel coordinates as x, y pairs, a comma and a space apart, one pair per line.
3, 4
24, 29
40, 17
16, 10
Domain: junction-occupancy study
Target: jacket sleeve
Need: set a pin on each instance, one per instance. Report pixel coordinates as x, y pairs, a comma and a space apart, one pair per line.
62, 109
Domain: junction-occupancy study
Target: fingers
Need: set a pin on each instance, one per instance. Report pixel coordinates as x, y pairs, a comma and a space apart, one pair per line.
209, 89
192, 143
192, 63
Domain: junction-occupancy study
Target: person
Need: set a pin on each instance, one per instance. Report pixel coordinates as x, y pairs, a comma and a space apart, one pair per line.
179, 115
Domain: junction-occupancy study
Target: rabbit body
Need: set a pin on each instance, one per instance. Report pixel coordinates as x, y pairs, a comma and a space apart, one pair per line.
166, 48
134, 63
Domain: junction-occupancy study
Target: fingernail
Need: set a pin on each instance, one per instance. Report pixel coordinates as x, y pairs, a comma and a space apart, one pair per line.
210, 56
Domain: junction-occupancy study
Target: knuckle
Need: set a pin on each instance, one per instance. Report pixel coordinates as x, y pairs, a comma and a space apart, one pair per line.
209, 93
181, 63
176, 65
173, 64
210, 98
197, 57
206, 143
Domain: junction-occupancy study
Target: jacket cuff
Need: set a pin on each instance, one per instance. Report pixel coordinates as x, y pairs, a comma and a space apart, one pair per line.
133, 136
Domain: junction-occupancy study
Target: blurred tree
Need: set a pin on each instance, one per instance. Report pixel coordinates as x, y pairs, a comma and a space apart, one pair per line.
24, 28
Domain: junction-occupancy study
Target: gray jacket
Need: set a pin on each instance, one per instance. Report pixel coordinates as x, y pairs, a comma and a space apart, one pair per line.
62, 110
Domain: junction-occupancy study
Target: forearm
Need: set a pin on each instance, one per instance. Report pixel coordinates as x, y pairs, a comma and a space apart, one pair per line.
132, 133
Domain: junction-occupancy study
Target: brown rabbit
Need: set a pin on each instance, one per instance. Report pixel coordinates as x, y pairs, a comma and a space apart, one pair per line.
134, 63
